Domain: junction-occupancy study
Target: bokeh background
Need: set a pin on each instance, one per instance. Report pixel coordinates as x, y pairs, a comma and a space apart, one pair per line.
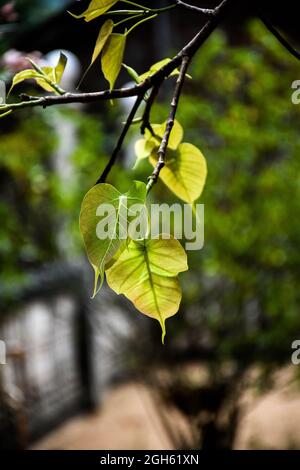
83, 374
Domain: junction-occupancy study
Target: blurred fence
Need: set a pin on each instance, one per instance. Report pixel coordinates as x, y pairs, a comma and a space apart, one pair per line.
47, 376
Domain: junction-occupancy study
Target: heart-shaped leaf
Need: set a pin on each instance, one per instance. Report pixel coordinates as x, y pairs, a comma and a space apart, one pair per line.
144, 147
184, 172
146, 273
102, 199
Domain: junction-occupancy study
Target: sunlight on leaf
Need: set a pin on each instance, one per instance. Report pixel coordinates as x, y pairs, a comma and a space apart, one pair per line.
96, 8
175, 138
112, 57
43, 76
146, 273
102, 38
155, 67
100, 251
184, 172
60, 68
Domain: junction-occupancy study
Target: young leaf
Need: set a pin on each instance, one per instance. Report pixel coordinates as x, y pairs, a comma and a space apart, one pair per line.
112, 57
96, 8
184, 172
102, 38
49, 73
155, 67
101, 251
132, 73
60, 68
24, 75
146, 273
144, 147
44, 76
175, 138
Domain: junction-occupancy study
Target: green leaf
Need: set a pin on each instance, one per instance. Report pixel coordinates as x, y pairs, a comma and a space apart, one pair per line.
102, 38
49, 73
101, 251
24, 75
146, 273
184, 172
144, 147
132, 73
60, 68
176, 135
155, 68
96, 8
112, 57
43, 76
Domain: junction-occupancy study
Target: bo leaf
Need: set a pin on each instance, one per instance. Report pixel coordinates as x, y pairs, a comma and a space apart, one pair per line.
101, 250
184, 172
96, 8
146, 273
112, 57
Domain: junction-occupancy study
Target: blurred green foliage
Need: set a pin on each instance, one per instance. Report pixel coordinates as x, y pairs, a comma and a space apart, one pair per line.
241, 295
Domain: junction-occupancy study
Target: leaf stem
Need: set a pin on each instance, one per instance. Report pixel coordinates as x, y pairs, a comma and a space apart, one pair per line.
140, 22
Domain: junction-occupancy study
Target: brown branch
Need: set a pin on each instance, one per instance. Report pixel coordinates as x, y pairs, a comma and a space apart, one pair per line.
153, 82
150, 101
280, 38
204, 11
170, 123
118, 147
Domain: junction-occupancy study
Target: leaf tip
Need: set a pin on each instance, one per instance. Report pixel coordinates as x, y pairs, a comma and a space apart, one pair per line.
163, 331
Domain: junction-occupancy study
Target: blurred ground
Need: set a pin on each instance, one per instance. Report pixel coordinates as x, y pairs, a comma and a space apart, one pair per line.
128, 419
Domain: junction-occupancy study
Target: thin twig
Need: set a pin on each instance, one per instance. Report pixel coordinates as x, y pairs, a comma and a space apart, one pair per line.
118, 147
150, 101
280, 38
170, 123
204, 11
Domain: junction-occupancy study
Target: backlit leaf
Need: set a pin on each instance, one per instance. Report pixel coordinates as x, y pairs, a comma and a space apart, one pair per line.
112, 57
60, 68
146, 273
155, 68
24, 75
96, 8
103, 36
175, 138
100, 251
184, 172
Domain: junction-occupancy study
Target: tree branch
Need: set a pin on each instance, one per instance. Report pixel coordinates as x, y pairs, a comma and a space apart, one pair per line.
204, 11
150, 101
153, 82
189, 50
118, 147
170, 123
280, 38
